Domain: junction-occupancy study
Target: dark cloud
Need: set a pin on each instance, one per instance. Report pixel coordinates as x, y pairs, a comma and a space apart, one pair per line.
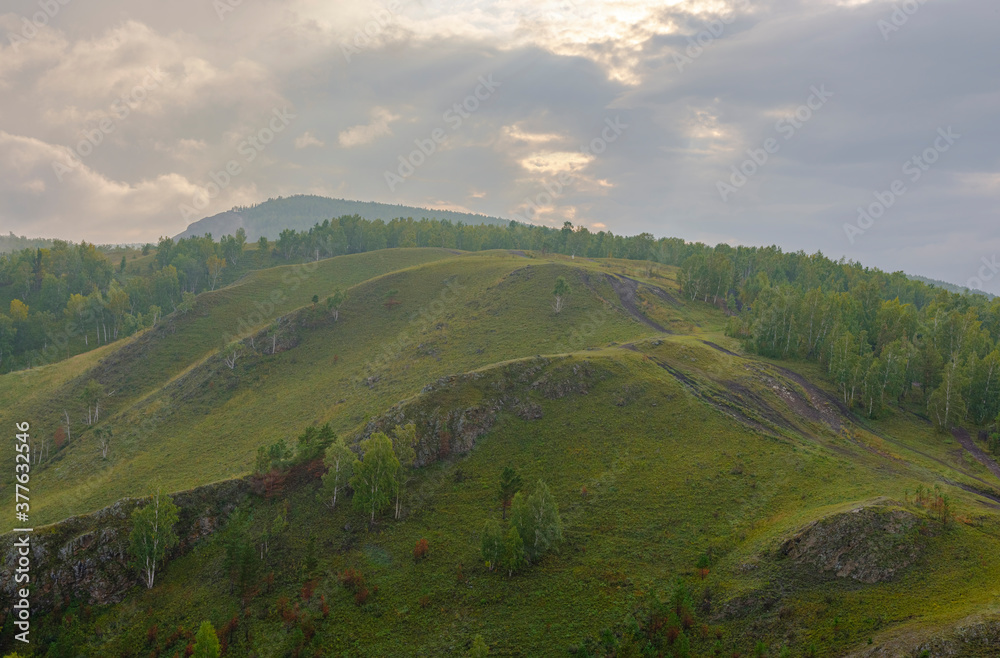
561, 75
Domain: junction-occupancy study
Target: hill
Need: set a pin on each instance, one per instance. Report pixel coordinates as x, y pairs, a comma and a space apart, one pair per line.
713, 502
301, 212
950, 287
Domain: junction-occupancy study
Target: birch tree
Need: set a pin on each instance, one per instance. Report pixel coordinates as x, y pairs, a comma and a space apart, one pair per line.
404, 447
339, 462
153, 534
374, 480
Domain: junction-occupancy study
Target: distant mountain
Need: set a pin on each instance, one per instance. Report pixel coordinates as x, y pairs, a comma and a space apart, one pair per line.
950, 287
301, 212
10, 243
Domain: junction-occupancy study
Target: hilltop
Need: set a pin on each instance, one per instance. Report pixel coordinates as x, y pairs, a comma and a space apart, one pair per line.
302, 211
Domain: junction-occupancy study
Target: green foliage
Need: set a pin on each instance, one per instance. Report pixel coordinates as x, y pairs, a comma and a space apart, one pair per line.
153, 534
206, 642
334, 302
513, 551
536, 519
492, 544
561, 291
313, 442
339, 462
479, 648
404, 447
91, 397
374, 481
510, 484
241, 562
278, 455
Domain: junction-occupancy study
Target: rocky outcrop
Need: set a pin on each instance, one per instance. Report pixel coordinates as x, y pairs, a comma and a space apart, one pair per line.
869, 544
979, 637
86, 558
453, 412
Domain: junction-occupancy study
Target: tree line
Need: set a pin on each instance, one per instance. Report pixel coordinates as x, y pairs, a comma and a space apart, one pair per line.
69, 298
882, 339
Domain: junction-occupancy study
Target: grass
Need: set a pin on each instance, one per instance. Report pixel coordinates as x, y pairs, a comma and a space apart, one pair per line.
682, 449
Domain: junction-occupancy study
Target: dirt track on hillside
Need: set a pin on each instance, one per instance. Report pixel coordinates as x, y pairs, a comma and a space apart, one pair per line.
626, 288
962, 436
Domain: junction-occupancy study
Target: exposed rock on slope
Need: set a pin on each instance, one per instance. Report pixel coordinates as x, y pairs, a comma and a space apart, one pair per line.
86, 557
868, 544
453, 412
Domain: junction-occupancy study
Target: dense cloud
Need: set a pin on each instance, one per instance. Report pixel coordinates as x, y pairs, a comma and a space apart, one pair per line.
636, 116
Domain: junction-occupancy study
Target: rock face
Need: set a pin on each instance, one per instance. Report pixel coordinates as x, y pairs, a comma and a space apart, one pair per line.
869, 544
453, 412
86, 557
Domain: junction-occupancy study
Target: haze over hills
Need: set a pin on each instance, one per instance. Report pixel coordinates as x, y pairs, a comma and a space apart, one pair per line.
951, 287
301, 212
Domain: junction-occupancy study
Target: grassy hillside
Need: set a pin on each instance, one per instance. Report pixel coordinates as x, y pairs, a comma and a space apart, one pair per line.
174, 397
791, 523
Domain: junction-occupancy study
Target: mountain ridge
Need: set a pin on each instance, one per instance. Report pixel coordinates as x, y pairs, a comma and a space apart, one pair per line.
302, 211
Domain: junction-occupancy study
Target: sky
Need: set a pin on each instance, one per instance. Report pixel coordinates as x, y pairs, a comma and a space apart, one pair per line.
864, 129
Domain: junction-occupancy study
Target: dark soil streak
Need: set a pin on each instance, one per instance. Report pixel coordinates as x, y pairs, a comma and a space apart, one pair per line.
725, 406
720, 348
625, 288
962, 436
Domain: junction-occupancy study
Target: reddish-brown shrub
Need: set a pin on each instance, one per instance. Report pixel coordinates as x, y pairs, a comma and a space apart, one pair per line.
307, 589
424, 601
420, 550
324, 607
308, 627
60, 437
672, 634
189, 650
352, 579
687, 620
151, 634
361, 596
176, 635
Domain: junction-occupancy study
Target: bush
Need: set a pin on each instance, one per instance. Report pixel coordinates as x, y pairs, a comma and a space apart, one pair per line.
352, 579
420, 550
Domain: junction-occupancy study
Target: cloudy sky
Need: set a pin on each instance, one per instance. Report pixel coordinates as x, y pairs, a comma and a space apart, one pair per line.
739, 121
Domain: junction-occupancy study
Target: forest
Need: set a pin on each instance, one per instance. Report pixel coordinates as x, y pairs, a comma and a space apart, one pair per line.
883, 338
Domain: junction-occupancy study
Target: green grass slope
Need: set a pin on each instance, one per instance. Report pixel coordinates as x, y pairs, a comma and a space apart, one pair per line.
181, 416
791, 523
672, 469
